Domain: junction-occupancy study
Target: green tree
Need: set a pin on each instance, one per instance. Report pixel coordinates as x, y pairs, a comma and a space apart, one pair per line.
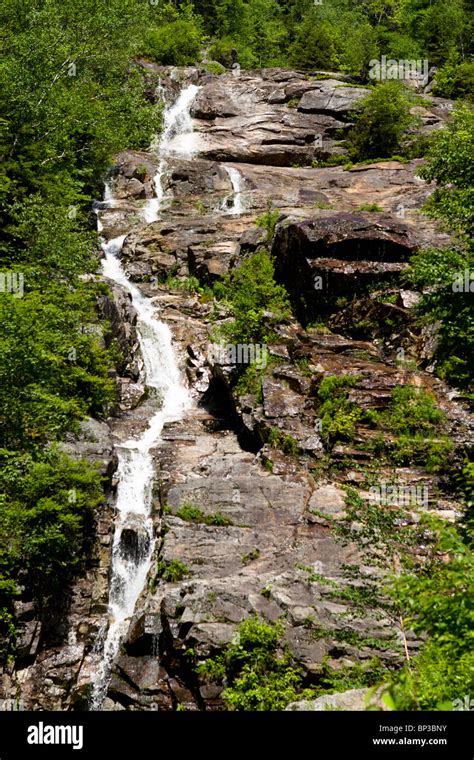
314, 45
381, 122
437, 602
251, 291
450, 163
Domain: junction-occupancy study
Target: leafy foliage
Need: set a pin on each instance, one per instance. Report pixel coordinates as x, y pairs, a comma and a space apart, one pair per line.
382, 120
70, 98
438, 603
338, 415
450, 162
447, 302
172, 570
251, 291
46, 508
189, 513
259, 673
175, 39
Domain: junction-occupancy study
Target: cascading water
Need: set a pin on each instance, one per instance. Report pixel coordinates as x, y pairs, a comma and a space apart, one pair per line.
178, 139
133, 538
234, 204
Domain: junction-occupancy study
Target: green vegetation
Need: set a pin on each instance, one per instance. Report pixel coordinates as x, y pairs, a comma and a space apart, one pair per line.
426, 592
46, 508
415, 419
189, 513
172, 571
286, 443
447, 275
268, 221
455, 80
437, 603
338, 415
450, 162
70, 98
250, 290
175, 39
258, 670
339, 35
381, 122
251, 556
369, 207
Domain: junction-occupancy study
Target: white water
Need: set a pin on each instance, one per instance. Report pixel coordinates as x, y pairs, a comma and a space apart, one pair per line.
133, 542
135, 470
176, 139
236, 205
108, 196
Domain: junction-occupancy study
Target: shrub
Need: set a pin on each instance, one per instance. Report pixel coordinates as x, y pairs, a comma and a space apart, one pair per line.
175, 44
251, 291
415, 419
172, 570
268, 221
450, 162
258, 670
338, 415
286, 443
455, 80
434, 599
45, 517
369, 207
381, 122
189, 513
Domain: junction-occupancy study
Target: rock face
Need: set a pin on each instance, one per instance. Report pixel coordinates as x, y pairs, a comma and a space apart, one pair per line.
259, 462
353, 700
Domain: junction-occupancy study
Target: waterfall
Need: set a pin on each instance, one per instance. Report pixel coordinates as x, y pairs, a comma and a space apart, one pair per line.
234, 204
176, 139
133, 542
109, 199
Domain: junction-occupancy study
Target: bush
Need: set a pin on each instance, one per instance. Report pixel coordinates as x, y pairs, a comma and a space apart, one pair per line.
268, 221
338, 415
45, 515
450, 162
172, 570
435, 271
381, 122
188, 513
251, 291
286, 443
175, 44
221, 51
369, 207
455, 80
258, 670
416, 421
435, 601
